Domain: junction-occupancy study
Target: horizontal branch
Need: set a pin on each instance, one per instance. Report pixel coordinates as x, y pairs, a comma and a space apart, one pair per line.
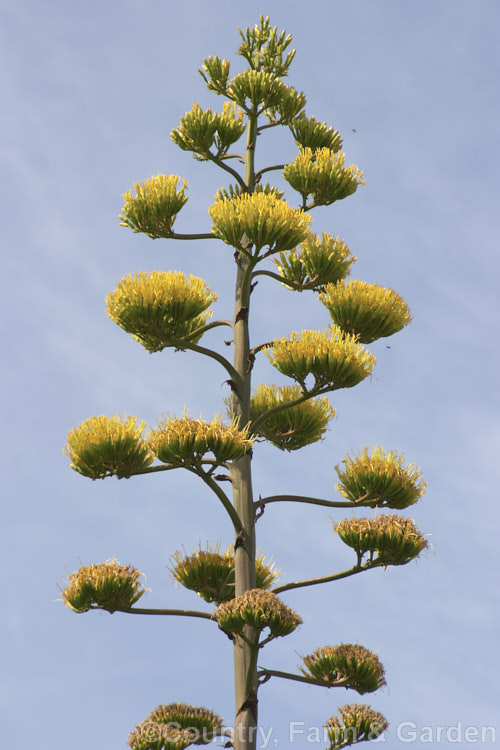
325, 579
361, 503
310, 285
202, 236
259, 174
183, 344
280, 407
177, 612
267, 673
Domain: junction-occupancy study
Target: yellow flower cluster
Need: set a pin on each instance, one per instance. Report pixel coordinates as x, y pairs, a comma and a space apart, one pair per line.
155, 205
108, 585
105, 446
261, 219
358, 723
159, 306
184, 441
389, 540
334, 359
322, 175
319, 260
380, 477
356, 667
310, 133
294, 427
174, 727
259, 609
210, 573
369, 311
200, 129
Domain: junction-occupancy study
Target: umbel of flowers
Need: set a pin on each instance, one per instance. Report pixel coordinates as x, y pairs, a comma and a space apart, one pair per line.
271, 239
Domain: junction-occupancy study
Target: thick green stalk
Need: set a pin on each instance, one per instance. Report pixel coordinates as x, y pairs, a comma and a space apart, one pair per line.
245, 676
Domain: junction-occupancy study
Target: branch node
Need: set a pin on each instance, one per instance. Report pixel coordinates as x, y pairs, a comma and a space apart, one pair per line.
242, 315
250, 703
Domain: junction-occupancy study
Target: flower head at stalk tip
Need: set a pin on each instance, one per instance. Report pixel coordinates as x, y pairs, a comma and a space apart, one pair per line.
108, 446
183, 441
161, 309
357, 723
354, 666
318, 261
310, 133
210, 573
322, 175
107, 585
262, 218
389, 540
294, 427
200, 129
380, 478
155, 205
258, 609
333, 358
367, 310
174, 727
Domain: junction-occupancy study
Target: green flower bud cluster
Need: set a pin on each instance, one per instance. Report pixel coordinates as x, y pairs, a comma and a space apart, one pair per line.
380, 477
367, 310
210, 573
175, 727
389, 540
294, 427
322, 175
108, 586
155, 205
159, 308
320, 260
263, 48
357, 723
258, 609
349, 665
334, 359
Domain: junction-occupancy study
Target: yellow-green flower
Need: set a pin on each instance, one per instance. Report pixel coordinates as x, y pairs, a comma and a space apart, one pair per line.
389, 540
380, 477
155, 205
254, 88
261, 218
108, 585
333, 358
184, 441
175, 727
293, 427
200, 129
210, 573
158, 307
318, 261
310, 133
367, 310
105, 446
354, 666
322, 175
258, 609
357, 723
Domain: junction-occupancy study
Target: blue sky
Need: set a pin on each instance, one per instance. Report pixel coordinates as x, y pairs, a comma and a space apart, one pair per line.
91, 92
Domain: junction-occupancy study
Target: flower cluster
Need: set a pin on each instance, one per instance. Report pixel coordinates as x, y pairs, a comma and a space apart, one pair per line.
357, 723
380, 477
334, 359
293, 427
108, 585
175, 727
105, 446
158, 309
155, 205
200, 129
184, 441
262, 218
318, 261
349, 665
389, 540
310, 133
258, 609
210, 573
322, 175
367, 310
